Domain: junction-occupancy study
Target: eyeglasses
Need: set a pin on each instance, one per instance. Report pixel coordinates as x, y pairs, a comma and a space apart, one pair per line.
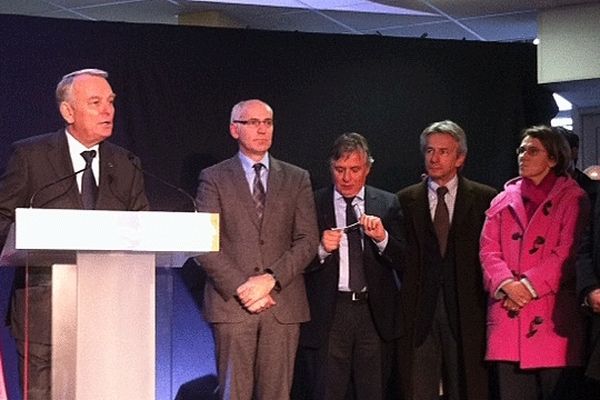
255, 122
353, 226
531, 150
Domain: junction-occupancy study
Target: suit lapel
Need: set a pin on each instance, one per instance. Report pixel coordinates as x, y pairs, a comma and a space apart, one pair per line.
59, 159
274, 185
240, 184
106, 167
462, 205
326, 210
420, 212
370, 202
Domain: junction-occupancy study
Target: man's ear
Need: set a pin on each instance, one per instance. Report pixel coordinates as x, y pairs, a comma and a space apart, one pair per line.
67, 112
233, 131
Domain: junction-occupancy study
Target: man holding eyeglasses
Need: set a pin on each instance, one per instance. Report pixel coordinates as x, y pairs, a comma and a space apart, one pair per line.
255, 297
351, 284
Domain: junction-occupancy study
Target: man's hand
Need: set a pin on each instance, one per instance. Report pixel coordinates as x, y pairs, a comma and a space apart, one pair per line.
593, 300
330, 240
261, 305
255, 289
373, 227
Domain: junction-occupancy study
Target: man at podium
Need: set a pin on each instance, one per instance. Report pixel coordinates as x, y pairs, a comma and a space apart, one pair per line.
72, 168
255, 297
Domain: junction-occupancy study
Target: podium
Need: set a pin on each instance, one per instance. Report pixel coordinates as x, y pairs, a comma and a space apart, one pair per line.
103, 290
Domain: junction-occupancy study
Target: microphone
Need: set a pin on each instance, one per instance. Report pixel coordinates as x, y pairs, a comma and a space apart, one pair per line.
56, 182
131, 158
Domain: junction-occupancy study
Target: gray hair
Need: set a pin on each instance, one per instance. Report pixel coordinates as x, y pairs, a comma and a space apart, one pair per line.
63, 89
448, 127
237, 110
348, 143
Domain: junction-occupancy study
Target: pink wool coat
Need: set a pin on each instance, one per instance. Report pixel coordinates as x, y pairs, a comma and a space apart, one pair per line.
548, 332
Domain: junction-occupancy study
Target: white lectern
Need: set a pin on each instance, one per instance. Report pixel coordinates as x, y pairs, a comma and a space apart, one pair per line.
103, 290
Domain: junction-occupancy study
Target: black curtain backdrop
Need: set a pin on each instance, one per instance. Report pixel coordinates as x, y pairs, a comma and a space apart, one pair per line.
176, 85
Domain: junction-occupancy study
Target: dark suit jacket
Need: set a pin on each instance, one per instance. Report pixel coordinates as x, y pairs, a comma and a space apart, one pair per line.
588, 279
472, 201
322, 278
39, 160
284, 243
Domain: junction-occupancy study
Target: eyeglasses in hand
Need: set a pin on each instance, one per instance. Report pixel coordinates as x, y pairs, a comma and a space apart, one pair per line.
353, 226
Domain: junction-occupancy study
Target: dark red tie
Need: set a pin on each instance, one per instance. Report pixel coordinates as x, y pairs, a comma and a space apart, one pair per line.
441, 220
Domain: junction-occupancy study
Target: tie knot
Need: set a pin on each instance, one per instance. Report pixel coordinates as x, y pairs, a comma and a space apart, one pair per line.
349, 200
88, 156
257, 167
441, 191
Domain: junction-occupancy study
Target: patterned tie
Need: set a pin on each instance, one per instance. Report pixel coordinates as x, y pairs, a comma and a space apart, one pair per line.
89, 189
355, 250
441, 220
258, 191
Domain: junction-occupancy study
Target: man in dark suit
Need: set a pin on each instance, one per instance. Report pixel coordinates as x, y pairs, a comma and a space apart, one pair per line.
86, 103
442, 295
351, 284
585, 182
255, 297
588, 289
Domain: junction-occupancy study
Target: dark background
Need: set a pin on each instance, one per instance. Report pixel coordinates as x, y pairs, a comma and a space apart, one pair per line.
176, 85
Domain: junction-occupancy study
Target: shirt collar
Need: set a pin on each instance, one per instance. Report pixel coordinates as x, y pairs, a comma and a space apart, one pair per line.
452, 186
248, 164
360, 195
75, 147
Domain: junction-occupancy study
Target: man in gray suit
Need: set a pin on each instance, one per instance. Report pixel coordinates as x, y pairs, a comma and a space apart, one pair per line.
255, 297
41, 173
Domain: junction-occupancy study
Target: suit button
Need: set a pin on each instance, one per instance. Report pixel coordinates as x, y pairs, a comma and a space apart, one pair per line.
262, 242
256, 269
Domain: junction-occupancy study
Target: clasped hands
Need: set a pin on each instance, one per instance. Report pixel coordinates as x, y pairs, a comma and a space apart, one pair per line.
254, 294
372, 227
517, 296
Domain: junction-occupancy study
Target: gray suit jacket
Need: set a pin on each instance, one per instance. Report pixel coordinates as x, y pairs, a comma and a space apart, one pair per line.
285, 242
39, 160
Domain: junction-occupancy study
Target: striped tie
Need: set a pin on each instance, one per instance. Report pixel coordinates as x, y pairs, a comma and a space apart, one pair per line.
258, 191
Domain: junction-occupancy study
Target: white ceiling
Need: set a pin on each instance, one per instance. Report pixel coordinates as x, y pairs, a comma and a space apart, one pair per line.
488, 20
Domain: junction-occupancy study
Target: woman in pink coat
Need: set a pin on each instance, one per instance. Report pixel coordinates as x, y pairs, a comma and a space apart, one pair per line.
528, 244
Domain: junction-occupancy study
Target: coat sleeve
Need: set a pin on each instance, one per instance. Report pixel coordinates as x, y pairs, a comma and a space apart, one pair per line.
549, 273
14, 191
493, 263
305, 236
393, 222
220, 268
587, 280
